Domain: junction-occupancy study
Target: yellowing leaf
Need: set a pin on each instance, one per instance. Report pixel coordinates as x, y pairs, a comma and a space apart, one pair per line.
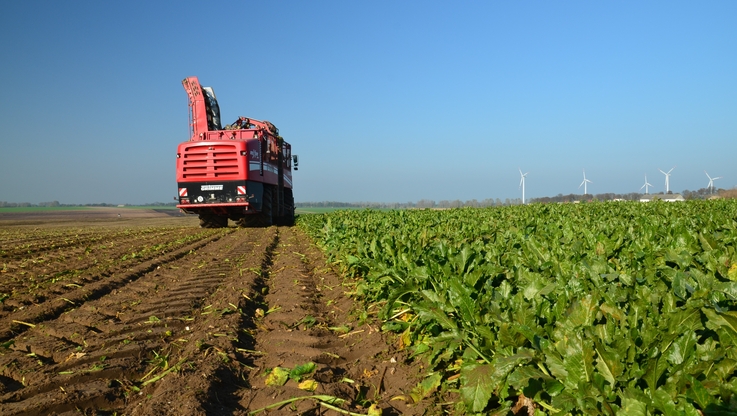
732, 273
308, 385
277, 377
374, 410
405, 340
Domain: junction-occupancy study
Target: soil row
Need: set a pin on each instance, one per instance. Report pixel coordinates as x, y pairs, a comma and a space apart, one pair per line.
197, 329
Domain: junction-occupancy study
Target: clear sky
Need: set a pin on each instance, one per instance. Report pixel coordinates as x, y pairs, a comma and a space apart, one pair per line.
383, 101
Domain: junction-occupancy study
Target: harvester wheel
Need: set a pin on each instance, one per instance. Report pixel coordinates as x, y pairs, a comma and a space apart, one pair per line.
263, 218
288, 205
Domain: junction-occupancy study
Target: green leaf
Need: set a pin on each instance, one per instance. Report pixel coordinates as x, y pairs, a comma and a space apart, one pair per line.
632, 407
581, 312
433, 314
476, 386
707, 242
663, 402
391, 326
655, 369
426, 387
521, 376
460, 297
610, 365
578, 361
726, 321
682, 349
538, 286
300, 370
728, 288
699, 393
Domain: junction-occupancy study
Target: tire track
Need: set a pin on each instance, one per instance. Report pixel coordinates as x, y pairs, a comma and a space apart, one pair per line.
98, 354
36, 286
313, 320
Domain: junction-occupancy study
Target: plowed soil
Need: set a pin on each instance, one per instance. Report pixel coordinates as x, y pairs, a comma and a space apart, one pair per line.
154, 316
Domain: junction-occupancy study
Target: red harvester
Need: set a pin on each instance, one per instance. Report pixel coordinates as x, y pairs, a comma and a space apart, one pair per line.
242, 172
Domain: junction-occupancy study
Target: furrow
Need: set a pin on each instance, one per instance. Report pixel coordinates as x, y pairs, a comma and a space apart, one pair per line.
111, 339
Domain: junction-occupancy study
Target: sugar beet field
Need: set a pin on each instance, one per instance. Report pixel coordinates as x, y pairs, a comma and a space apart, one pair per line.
598, 308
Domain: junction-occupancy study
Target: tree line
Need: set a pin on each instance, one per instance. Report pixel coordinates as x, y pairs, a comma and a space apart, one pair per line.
703, 193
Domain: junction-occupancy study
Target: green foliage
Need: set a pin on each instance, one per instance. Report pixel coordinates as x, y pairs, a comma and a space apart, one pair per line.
599, 308
301, 370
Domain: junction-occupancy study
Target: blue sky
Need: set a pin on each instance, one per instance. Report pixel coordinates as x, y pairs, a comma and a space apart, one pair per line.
382, 101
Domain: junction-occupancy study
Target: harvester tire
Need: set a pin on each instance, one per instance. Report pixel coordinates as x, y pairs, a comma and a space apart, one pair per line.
288, 205
263, 218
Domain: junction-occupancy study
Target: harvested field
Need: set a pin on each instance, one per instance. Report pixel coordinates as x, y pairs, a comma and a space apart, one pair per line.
154, 316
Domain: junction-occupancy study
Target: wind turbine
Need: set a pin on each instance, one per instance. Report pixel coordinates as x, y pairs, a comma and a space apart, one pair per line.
711, 182
667, 177
646, 185
584, 183
522, 184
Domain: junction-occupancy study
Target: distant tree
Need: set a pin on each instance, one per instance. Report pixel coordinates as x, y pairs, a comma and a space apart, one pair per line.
425, 203
728, 193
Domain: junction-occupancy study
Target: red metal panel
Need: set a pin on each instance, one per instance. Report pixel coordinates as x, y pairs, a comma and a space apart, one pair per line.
197, 105
202, 161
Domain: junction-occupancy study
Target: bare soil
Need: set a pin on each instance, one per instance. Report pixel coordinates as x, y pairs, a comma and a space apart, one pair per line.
151, 315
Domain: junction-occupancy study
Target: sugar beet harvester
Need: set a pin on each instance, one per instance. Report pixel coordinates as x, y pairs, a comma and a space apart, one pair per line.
242, 172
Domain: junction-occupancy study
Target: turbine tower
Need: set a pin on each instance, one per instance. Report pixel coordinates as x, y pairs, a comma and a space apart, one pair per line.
584, 183
646, 186
667, 178
522, 184
711, 182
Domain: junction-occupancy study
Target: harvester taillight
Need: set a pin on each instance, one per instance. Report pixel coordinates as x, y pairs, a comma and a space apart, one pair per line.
179, 155
244, 153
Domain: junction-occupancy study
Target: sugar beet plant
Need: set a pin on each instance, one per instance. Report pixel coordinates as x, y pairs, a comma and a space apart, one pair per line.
599, 308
